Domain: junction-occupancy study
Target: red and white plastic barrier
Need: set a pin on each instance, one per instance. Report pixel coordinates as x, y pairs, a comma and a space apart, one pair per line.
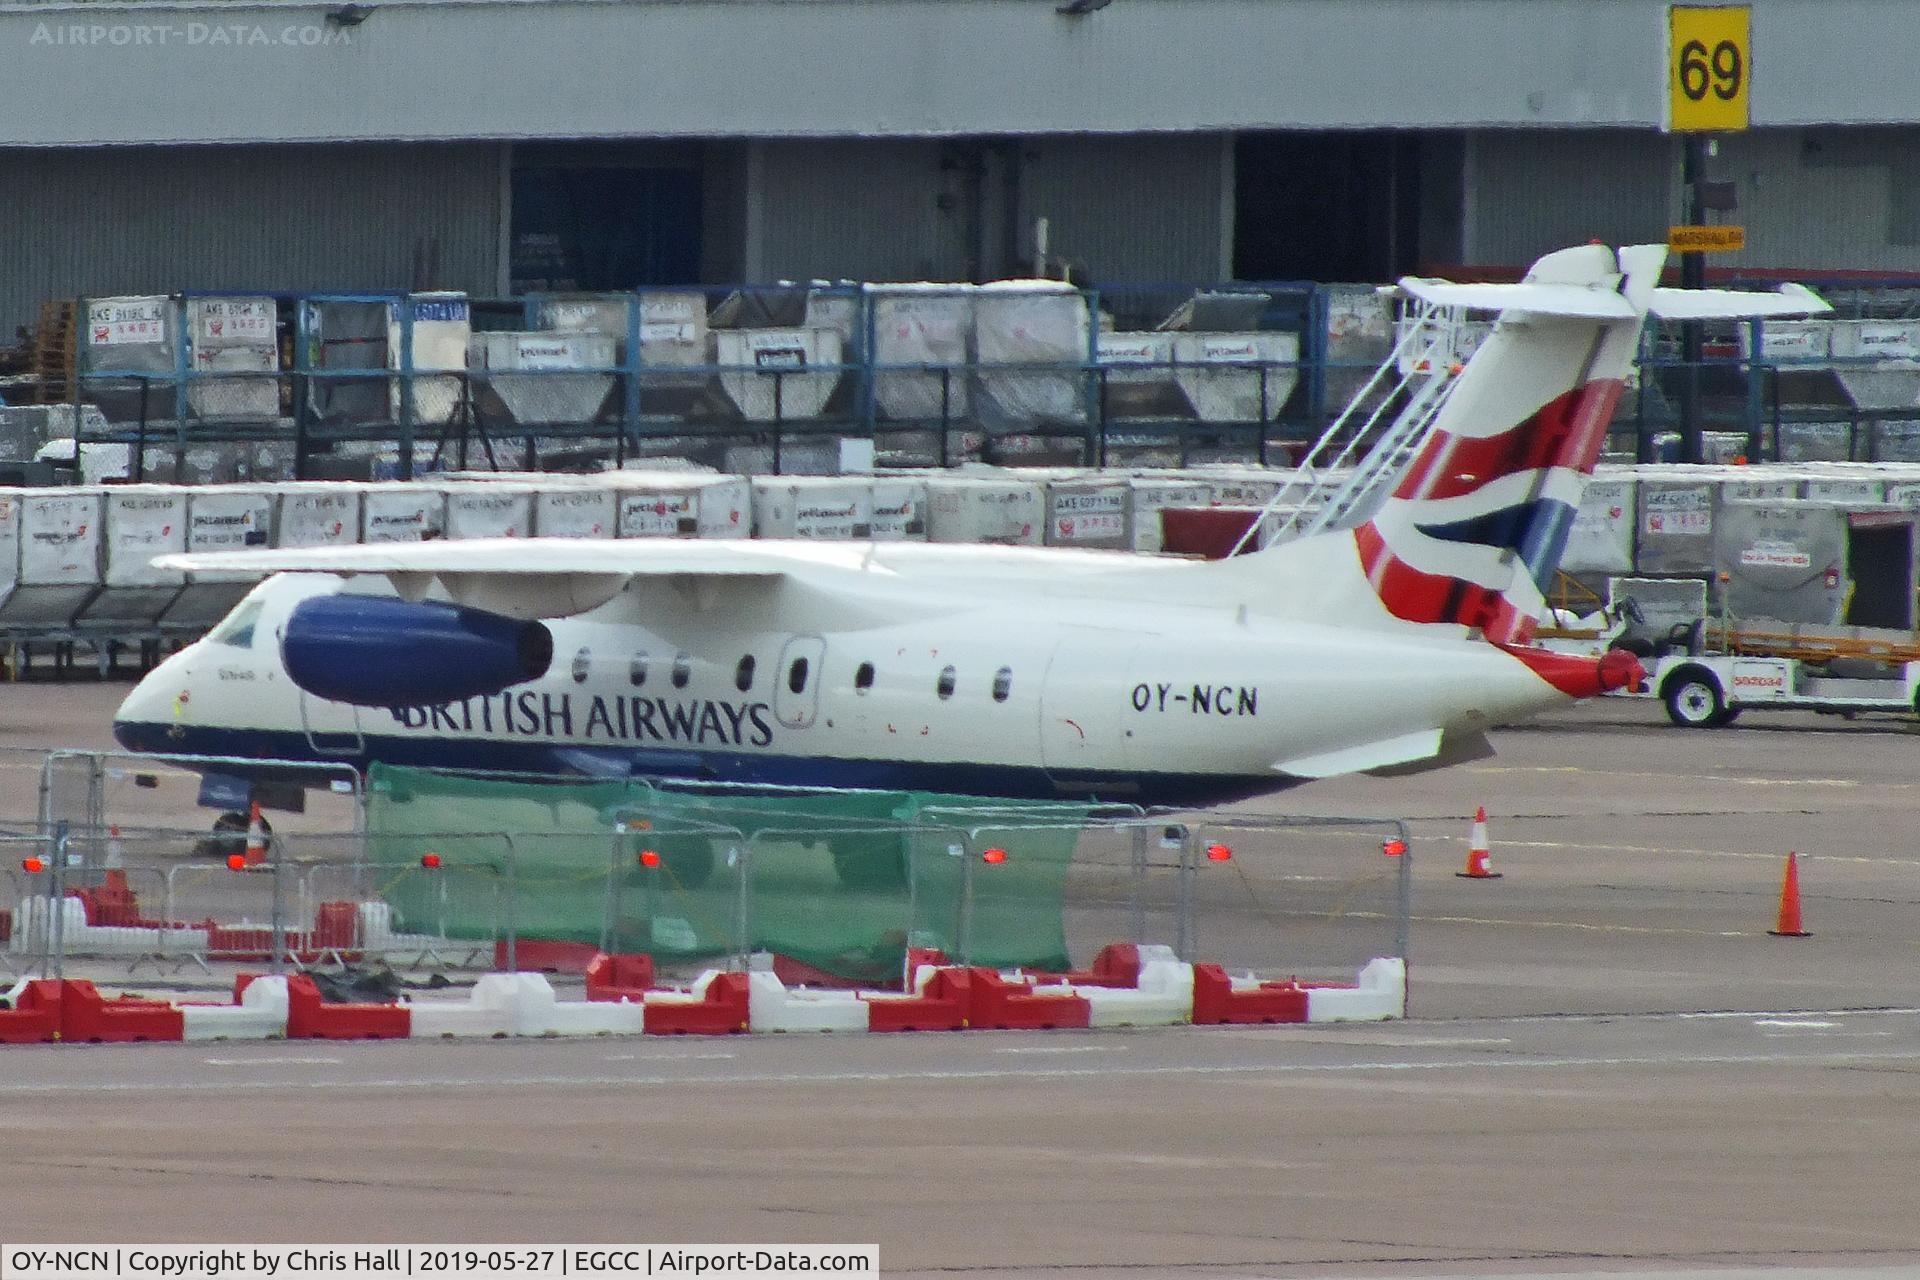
1128, 986
258, 1012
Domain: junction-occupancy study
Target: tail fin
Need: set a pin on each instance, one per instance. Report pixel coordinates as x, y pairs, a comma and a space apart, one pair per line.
1475, 527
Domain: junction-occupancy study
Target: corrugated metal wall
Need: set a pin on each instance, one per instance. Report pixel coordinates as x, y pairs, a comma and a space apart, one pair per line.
1131, 209
1530, 193
1824, 199
109, 221
1120, 209
858, 209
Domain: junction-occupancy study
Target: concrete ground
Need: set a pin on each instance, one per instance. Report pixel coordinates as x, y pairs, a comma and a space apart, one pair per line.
1611, 1069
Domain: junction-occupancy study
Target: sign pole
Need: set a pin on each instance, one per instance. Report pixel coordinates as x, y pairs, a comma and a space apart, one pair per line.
1693, 275
1709, 73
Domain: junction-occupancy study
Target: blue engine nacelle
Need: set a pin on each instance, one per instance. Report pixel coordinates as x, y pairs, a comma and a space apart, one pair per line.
377, 651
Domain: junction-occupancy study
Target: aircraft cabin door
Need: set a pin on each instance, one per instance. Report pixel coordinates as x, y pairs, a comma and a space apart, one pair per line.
332, 728
1084, 709
796, 684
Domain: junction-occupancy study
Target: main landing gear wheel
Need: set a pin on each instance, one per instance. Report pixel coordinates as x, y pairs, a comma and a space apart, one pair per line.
1694, 700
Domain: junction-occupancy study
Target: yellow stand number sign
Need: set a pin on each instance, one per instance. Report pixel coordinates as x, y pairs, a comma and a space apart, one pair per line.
1709, 68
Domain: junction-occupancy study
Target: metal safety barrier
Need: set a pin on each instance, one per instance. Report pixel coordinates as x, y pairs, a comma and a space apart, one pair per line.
827, 902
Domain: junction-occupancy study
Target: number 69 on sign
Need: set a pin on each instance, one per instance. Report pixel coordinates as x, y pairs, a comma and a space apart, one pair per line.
1709, 67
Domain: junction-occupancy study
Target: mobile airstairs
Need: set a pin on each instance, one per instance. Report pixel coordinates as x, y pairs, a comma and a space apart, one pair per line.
1349, 469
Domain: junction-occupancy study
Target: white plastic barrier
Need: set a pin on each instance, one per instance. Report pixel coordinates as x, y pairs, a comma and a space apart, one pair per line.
488, 1010
377, 934
261, 1014
1380, 995
521, 1004
773, 1006
1162, 997
538, 1012
33, 927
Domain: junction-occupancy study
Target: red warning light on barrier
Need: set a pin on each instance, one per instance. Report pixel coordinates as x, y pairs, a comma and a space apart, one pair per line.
1394, 848
33, 866
1219, 853
236, 862
430, 860
649, 858
994, 857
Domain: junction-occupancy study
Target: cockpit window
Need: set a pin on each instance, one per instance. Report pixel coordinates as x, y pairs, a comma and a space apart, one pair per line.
236, 628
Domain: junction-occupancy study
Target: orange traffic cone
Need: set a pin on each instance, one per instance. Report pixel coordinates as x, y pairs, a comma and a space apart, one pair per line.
256, 836
1479, 859
1789, 923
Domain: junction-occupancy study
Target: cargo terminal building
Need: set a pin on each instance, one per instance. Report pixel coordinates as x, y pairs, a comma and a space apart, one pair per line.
504, 146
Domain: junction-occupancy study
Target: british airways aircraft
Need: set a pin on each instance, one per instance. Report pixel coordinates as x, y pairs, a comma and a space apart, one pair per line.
993, 671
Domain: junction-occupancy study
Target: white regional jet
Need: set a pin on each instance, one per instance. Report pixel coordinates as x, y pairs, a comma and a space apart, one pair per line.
990, 671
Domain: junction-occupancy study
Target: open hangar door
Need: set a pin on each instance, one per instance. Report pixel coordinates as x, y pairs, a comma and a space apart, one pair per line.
598, 218
1328, 206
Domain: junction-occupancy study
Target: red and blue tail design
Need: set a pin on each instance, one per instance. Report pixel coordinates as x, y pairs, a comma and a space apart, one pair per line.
1471, 531
1475, 527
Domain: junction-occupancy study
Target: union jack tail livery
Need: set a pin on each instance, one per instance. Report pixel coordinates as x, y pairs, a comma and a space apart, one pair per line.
1474, 529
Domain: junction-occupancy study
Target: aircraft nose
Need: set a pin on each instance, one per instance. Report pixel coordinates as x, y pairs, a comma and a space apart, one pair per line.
142, 718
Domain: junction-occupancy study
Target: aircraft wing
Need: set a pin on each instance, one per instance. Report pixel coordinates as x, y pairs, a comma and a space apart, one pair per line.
517, 577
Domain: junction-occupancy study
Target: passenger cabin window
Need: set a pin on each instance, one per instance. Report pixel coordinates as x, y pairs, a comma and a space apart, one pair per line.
863, 678
946, 683
637, 670
582, 664
237, 628
1002, 684
682, 670
797, 676
743, 674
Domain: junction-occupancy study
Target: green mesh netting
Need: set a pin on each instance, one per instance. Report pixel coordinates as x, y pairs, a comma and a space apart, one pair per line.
842, 882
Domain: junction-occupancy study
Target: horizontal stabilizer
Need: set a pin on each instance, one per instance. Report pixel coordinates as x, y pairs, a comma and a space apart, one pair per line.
1601, 301
1734, 304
